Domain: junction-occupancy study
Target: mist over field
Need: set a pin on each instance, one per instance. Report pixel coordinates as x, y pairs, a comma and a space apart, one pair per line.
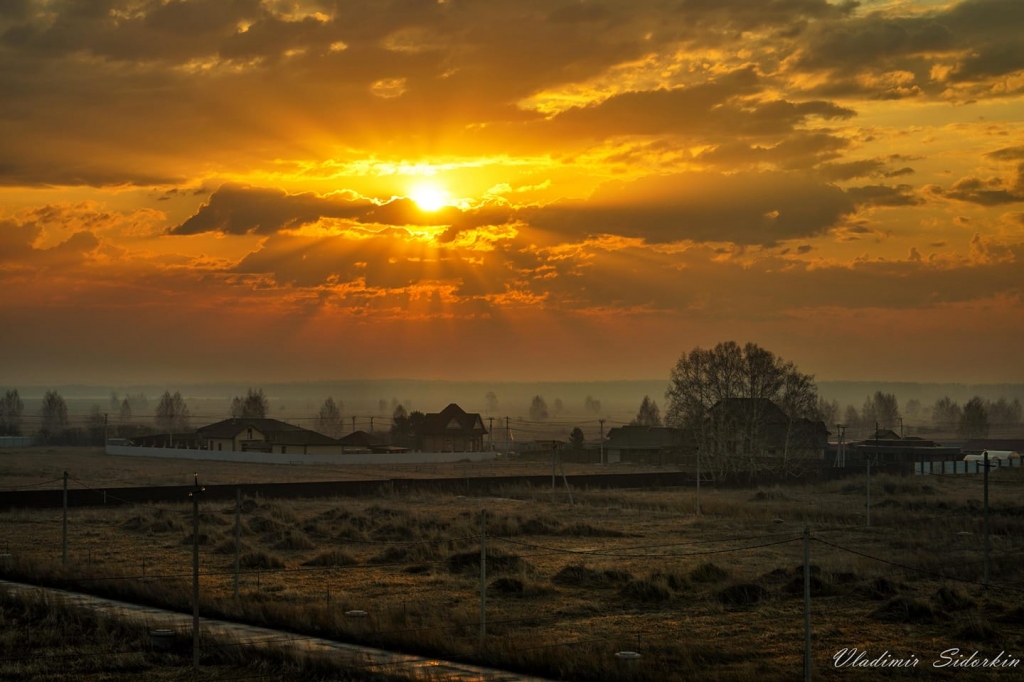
618, 400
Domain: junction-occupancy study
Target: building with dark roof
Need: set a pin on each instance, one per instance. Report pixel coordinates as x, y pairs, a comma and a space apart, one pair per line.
452, 430
649, 444
240, 434
760, 428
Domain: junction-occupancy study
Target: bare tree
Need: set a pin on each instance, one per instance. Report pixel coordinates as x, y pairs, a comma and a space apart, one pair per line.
974, 419
491, 402
1004, 413
912, 408
592, 405
538, 409
172, 413
648, 414
828, 411
726, 398
946, 414
11, 409
255, 405
328, 419
54, 415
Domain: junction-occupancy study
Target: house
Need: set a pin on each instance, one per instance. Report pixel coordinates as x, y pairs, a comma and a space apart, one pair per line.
241, 434
758, 427
452, 430
362, 442
649, 444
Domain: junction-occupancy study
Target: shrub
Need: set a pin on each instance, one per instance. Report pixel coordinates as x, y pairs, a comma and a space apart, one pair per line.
333, 557
645, 591
260, 560
497, 561
904, 610
953, 600
708, 573
291, 541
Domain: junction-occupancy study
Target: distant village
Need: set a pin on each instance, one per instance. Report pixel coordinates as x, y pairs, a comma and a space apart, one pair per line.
734, 437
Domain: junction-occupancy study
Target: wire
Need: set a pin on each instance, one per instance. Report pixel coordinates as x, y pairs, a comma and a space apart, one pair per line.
33, 485
918, 570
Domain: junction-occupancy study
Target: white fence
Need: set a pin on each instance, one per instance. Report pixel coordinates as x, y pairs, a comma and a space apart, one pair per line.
276, 458
959, 467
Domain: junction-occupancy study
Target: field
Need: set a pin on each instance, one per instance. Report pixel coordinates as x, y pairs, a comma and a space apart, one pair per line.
717, 596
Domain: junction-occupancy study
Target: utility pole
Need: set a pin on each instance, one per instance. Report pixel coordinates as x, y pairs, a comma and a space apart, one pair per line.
841, 453
867, 462
698, 482
238, 535
987, 545
490, 432
105, 436
483, 578
353, 424
64, 532
508, 435
194, 495
807, 604
371, 426
554, 460
601, 422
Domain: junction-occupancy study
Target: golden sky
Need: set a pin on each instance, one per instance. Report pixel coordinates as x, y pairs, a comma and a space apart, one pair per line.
264, 190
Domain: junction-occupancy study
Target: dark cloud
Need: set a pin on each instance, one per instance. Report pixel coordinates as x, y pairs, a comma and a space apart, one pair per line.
238, 209
799, 150
848, 170
744, 208
884, 195
17, 246
707, 108
1008, 154
985, 191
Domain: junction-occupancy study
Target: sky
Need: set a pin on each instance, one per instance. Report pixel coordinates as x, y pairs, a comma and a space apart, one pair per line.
263, 190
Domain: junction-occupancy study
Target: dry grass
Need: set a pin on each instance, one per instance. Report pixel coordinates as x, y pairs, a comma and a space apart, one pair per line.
571, 585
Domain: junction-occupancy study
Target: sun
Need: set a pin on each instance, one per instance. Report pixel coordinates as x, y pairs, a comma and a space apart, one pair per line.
429, 197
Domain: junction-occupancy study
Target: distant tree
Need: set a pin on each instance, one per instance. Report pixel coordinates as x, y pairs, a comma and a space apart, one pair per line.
11, 409
114, 401
139, 402
382, 406
946, 414
172, 414
591, 405
491, 402
328, 419
1003, 413
557, 407
96, 425
648, 414
576, 438
401, 427
415, 425
538, 409
124, 417
887, 409
912, 408
702, 379
254, 405
974, 420
828, 412
54, 416
851, 417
